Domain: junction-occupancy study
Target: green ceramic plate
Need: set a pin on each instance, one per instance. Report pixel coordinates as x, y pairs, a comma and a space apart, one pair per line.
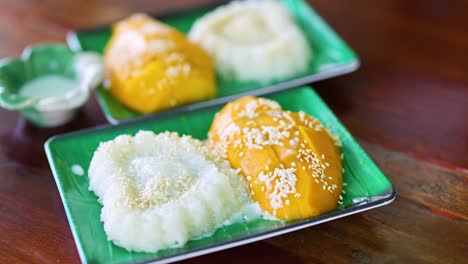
332, 57
366, 186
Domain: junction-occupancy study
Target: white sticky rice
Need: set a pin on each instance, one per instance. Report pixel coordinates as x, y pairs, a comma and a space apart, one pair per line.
253, 40
159, 191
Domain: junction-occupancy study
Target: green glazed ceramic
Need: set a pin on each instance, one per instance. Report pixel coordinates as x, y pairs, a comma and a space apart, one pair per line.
49, 82
366, 187
332, 57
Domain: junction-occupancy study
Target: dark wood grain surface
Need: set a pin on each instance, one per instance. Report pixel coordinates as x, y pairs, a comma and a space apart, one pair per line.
407, 105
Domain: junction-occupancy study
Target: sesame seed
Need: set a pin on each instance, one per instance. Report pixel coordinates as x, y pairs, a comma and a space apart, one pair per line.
249, 110
266, 136
283, 183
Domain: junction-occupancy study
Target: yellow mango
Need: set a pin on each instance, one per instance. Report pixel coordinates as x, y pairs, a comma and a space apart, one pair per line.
291, 163
151, 66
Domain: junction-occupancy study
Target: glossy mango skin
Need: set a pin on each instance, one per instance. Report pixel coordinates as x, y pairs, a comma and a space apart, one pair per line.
313, 195
151, 66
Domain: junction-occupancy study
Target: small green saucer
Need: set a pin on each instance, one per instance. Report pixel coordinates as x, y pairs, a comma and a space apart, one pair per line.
49, 82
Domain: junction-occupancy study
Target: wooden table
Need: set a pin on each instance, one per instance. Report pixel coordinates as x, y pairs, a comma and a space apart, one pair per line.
407, 105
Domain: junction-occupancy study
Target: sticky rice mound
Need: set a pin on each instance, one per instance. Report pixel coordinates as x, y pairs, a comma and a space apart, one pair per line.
159, 191
254, 40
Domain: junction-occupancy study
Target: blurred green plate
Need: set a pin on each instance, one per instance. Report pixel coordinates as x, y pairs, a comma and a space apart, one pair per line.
366, 186
332, 57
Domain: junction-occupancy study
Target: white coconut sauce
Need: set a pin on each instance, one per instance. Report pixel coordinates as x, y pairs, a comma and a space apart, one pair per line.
77, 170
47, 86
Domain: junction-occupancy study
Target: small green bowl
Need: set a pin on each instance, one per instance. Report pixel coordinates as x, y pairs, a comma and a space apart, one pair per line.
48, 105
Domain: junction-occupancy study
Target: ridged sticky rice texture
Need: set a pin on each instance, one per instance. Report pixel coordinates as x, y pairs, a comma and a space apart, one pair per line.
160, 191
254, 40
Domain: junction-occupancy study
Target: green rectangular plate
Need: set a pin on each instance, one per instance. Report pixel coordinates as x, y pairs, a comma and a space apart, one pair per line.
332, 57
366, 186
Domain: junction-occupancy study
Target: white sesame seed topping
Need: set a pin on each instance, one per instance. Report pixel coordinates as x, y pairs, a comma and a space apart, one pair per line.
249, 110
282, 182
267, 136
